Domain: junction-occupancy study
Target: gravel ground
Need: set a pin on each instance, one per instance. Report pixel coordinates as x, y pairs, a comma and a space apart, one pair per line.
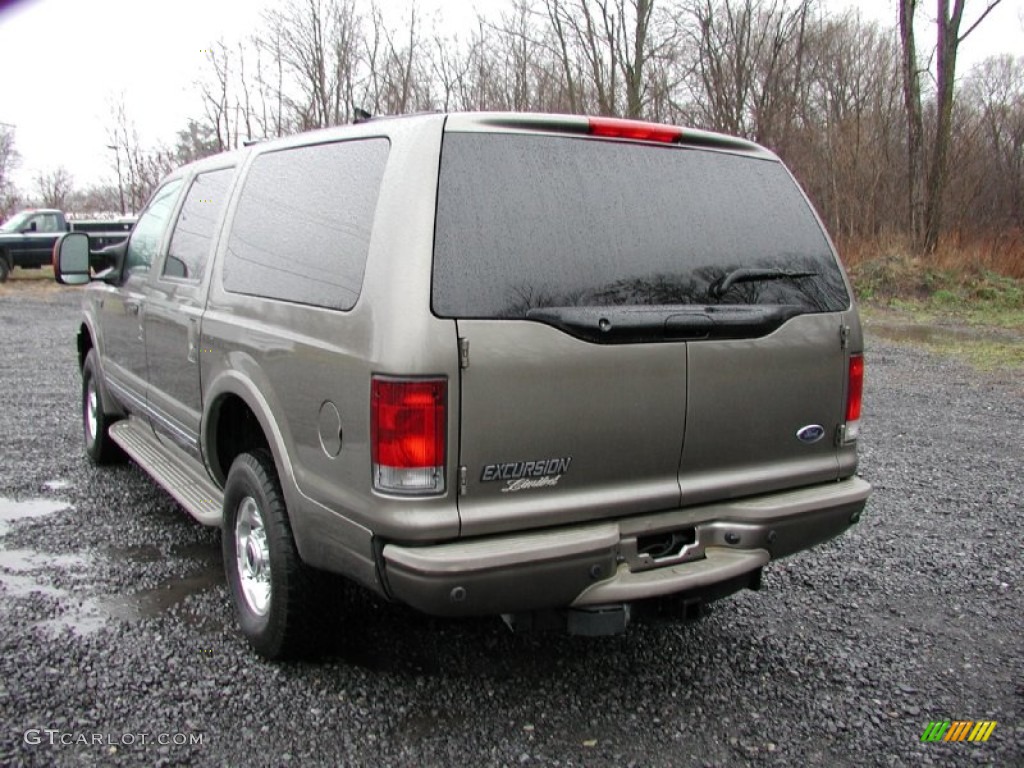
117, 627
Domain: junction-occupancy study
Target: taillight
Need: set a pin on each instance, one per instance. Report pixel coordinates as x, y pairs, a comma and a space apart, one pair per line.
408, 424
854, 395
615, 128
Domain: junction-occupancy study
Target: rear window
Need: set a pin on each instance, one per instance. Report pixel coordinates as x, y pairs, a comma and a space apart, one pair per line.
301, 232
531, 221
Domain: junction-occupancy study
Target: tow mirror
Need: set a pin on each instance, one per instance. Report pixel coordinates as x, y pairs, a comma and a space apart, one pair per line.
71, 259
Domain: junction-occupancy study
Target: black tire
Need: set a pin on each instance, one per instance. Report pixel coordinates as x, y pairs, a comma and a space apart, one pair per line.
273, 591
95, 421
5, 268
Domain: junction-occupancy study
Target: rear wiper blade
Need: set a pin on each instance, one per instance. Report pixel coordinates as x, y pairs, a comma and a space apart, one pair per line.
635, 324
719, 287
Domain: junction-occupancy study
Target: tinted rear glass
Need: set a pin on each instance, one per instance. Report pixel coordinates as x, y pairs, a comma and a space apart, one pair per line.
528, 221
301, 232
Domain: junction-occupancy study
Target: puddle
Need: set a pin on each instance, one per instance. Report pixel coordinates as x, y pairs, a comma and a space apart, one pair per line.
23, 585
150, 603
145, 553
83, 616
22, 560
12, 511
24, 573
937, 334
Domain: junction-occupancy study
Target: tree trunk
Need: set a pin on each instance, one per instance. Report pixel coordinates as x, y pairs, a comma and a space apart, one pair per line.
948, 29
947, 47
915, 121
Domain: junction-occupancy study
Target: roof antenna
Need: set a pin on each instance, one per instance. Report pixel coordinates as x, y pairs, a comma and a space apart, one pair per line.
361, 115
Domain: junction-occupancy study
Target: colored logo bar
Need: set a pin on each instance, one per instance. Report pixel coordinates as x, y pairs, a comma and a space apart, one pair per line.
958, 730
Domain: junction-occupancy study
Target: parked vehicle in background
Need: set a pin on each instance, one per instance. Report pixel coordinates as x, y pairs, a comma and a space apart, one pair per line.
555, 368
27, 238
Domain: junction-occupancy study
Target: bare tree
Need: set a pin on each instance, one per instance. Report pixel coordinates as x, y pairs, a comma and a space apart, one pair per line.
8, 161
848, 104
396, 84
141, 167
54, 188
948, 25
97, 200
750, 60
989, 135
610, 43
915, 119
845, 139
215, 90
317, 44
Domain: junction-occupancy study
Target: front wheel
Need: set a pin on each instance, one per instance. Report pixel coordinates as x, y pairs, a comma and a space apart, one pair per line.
95, 422
271, 588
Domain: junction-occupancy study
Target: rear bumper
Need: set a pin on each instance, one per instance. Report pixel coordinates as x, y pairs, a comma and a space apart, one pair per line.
599, 564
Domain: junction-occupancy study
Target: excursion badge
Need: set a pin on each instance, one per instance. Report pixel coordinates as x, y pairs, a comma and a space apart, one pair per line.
526, 475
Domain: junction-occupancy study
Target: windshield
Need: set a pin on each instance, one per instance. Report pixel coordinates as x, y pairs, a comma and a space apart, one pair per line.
16, 222
531, 221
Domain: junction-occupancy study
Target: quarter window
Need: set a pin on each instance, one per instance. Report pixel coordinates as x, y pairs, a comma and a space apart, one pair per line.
301, 231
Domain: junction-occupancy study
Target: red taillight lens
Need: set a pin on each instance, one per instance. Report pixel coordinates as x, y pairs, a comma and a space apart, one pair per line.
615, 128
854, 395
408, 424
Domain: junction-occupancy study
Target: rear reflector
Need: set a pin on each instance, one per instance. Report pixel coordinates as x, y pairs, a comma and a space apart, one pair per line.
408, 424
615, 128
854, 394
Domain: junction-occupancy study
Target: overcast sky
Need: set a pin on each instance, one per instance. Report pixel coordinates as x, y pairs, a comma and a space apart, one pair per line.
64, 61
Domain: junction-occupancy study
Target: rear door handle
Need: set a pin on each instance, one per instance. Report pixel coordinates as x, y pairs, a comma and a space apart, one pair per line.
193, 340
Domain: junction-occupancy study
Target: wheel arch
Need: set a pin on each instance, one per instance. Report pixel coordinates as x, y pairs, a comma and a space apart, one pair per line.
237, 419
85, 342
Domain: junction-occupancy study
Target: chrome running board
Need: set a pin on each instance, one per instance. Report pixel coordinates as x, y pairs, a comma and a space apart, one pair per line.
192, 490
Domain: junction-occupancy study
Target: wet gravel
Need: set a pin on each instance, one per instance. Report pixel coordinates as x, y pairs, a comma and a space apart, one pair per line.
115, 626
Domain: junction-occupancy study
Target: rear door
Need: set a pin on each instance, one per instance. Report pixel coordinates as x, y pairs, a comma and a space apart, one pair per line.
175, 308
764, 404
557, 425
642, 324
763, 414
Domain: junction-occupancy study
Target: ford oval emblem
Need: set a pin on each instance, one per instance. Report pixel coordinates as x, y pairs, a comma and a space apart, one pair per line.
810, 434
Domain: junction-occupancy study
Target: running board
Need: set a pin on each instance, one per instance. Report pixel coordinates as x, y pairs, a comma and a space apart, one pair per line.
192, 490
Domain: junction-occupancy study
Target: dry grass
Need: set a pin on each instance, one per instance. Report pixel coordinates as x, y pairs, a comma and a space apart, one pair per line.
1000, 255
966, 301
32, 282
983, 274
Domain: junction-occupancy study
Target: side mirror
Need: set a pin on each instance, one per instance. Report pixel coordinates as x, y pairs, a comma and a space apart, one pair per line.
71, 259
30, 228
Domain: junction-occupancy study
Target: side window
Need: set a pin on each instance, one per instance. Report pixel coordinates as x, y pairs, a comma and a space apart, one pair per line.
46, 222
301, 232
197, 225
145, 239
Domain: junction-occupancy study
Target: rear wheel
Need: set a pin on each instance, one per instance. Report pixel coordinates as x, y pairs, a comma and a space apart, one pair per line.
95, 422
271, 588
